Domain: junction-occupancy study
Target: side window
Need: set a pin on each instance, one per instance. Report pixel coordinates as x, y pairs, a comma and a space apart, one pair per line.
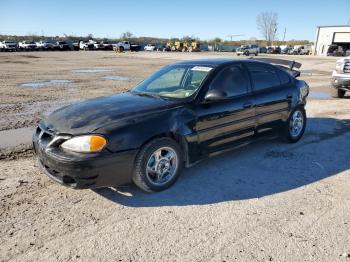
263, 76
233, 80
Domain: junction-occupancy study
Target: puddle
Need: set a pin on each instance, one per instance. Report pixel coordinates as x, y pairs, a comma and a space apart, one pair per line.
43, 83
73, 90
319, 95
15, 137
117, 78
92, 70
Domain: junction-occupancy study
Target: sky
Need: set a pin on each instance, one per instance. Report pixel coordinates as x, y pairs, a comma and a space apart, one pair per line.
166, 19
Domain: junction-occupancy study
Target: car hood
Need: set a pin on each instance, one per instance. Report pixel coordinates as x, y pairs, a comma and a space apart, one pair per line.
89, 115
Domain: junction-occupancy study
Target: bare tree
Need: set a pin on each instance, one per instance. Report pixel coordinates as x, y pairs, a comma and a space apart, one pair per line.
267, 23
126, 35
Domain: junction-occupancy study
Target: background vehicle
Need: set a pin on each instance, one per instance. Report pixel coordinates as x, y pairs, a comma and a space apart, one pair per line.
262, 50
340, 82
8, 46
106, 45
247, 50
85, 45
26, 45
285, 49
62, 46
185, 112
122, 46
273, 50
45, 45
300, 50
150, 47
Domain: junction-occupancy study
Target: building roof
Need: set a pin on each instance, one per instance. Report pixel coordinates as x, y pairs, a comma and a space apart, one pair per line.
320, 26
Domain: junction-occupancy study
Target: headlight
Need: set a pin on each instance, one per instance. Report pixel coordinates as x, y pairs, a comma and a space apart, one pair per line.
85, 144
339, 67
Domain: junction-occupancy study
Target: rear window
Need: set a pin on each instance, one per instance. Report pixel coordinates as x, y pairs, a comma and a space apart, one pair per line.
263, 76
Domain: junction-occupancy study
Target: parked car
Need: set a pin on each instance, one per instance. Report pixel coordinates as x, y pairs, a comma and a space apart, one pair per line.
86, 45
62, 46
340, 82
150, 47
26, 45
273, 50
286, 49
262, 50
8, 46
98, 45
45, 45
107, 46
301, 50
185, 112
122, 46
247, 50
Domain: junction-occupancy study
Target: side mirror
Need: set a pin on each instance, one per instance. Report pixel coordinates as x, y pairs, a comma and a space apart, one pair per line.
215, 95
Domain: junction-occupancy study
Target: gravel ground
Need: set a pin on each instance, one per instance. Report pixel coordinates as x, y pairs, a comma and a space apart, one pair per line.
269, 201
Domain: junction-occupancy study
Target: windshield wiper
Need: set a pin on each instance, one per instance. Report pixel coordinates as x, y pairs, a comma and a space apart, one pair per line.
149, 95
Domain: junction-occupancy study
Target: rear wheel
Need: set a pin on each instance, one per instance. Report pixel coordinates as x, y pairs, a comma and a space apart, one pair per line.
294, 127
158, 165
337, 93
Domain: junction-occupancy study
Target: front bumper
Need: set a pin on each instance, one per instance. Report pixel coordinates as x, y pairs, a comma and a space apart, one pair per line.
79, 170
341, 81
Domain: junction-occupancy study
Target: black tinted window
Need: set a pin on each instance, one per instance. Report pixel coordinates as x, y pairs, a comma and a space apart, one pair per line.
232, 80
264, 76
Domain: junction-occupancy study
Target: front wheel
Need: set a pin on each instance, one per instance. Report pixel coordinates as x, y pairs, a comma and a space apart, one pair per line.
337, 93
158, 165
295, 125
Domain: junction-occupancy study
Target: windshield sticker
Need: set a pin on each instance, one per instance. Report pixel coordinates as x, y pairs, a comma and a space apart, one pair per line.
201, 68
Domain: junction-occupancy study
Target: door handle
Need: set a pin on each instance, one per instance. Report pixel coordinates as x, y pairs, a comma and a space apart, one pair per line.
247, 105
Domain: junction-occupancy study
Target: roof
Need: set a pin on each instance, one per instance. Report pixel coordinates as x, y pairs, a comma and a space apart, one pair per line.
321, 26
210, 61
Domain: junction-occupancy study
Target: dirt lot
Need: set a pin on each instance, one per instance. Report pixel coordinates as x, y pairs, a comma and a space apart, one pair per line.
270, 201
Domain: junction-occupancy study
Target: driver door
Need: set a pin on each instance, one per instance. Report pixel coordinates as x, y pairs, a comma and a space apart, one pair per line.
223, 124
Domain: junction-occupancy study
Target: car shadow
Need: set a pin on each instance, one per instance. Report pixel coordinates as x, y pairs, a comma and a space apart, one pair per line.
261, 169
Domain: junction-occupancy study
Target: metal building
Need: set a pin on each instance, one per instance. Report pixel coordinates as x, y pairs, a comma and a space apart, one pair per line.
332, 40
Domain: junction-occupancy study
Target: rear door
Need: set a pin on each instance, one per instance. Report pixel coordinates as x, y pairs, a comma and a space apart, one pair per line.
272, 89
223, 123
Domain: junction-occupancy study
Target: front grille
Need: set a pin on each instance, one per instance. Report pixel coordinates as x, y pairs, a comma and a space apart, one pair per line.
45, 136
347, 66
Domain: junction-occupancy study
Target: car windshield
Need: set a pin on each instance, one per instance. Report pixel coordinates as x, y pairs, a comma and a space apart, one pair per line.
176, 81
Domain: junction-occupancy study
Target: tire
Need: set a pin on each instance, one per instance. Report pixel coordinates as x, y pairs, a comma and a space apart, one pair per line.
147, 180
289, 133
337, 93
256, 54
121, 49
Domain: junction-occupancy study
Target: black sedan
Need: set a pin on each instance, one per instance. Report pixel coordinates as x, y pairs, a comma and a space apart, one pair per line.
181, 114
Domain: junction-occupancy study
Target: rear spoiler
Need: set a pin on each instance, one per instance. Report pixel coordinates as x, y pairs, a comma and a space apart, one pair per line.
288, 65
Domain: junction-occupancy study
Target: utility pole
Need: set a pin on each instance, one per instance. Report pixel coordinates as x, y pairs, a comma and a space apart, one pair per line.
231, 36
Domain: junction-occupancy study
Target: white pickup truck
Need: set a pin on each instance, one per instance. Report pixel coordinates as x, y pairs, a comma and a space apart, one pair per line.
8, 46
26, 45
122, 46
340, 83
45, 45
